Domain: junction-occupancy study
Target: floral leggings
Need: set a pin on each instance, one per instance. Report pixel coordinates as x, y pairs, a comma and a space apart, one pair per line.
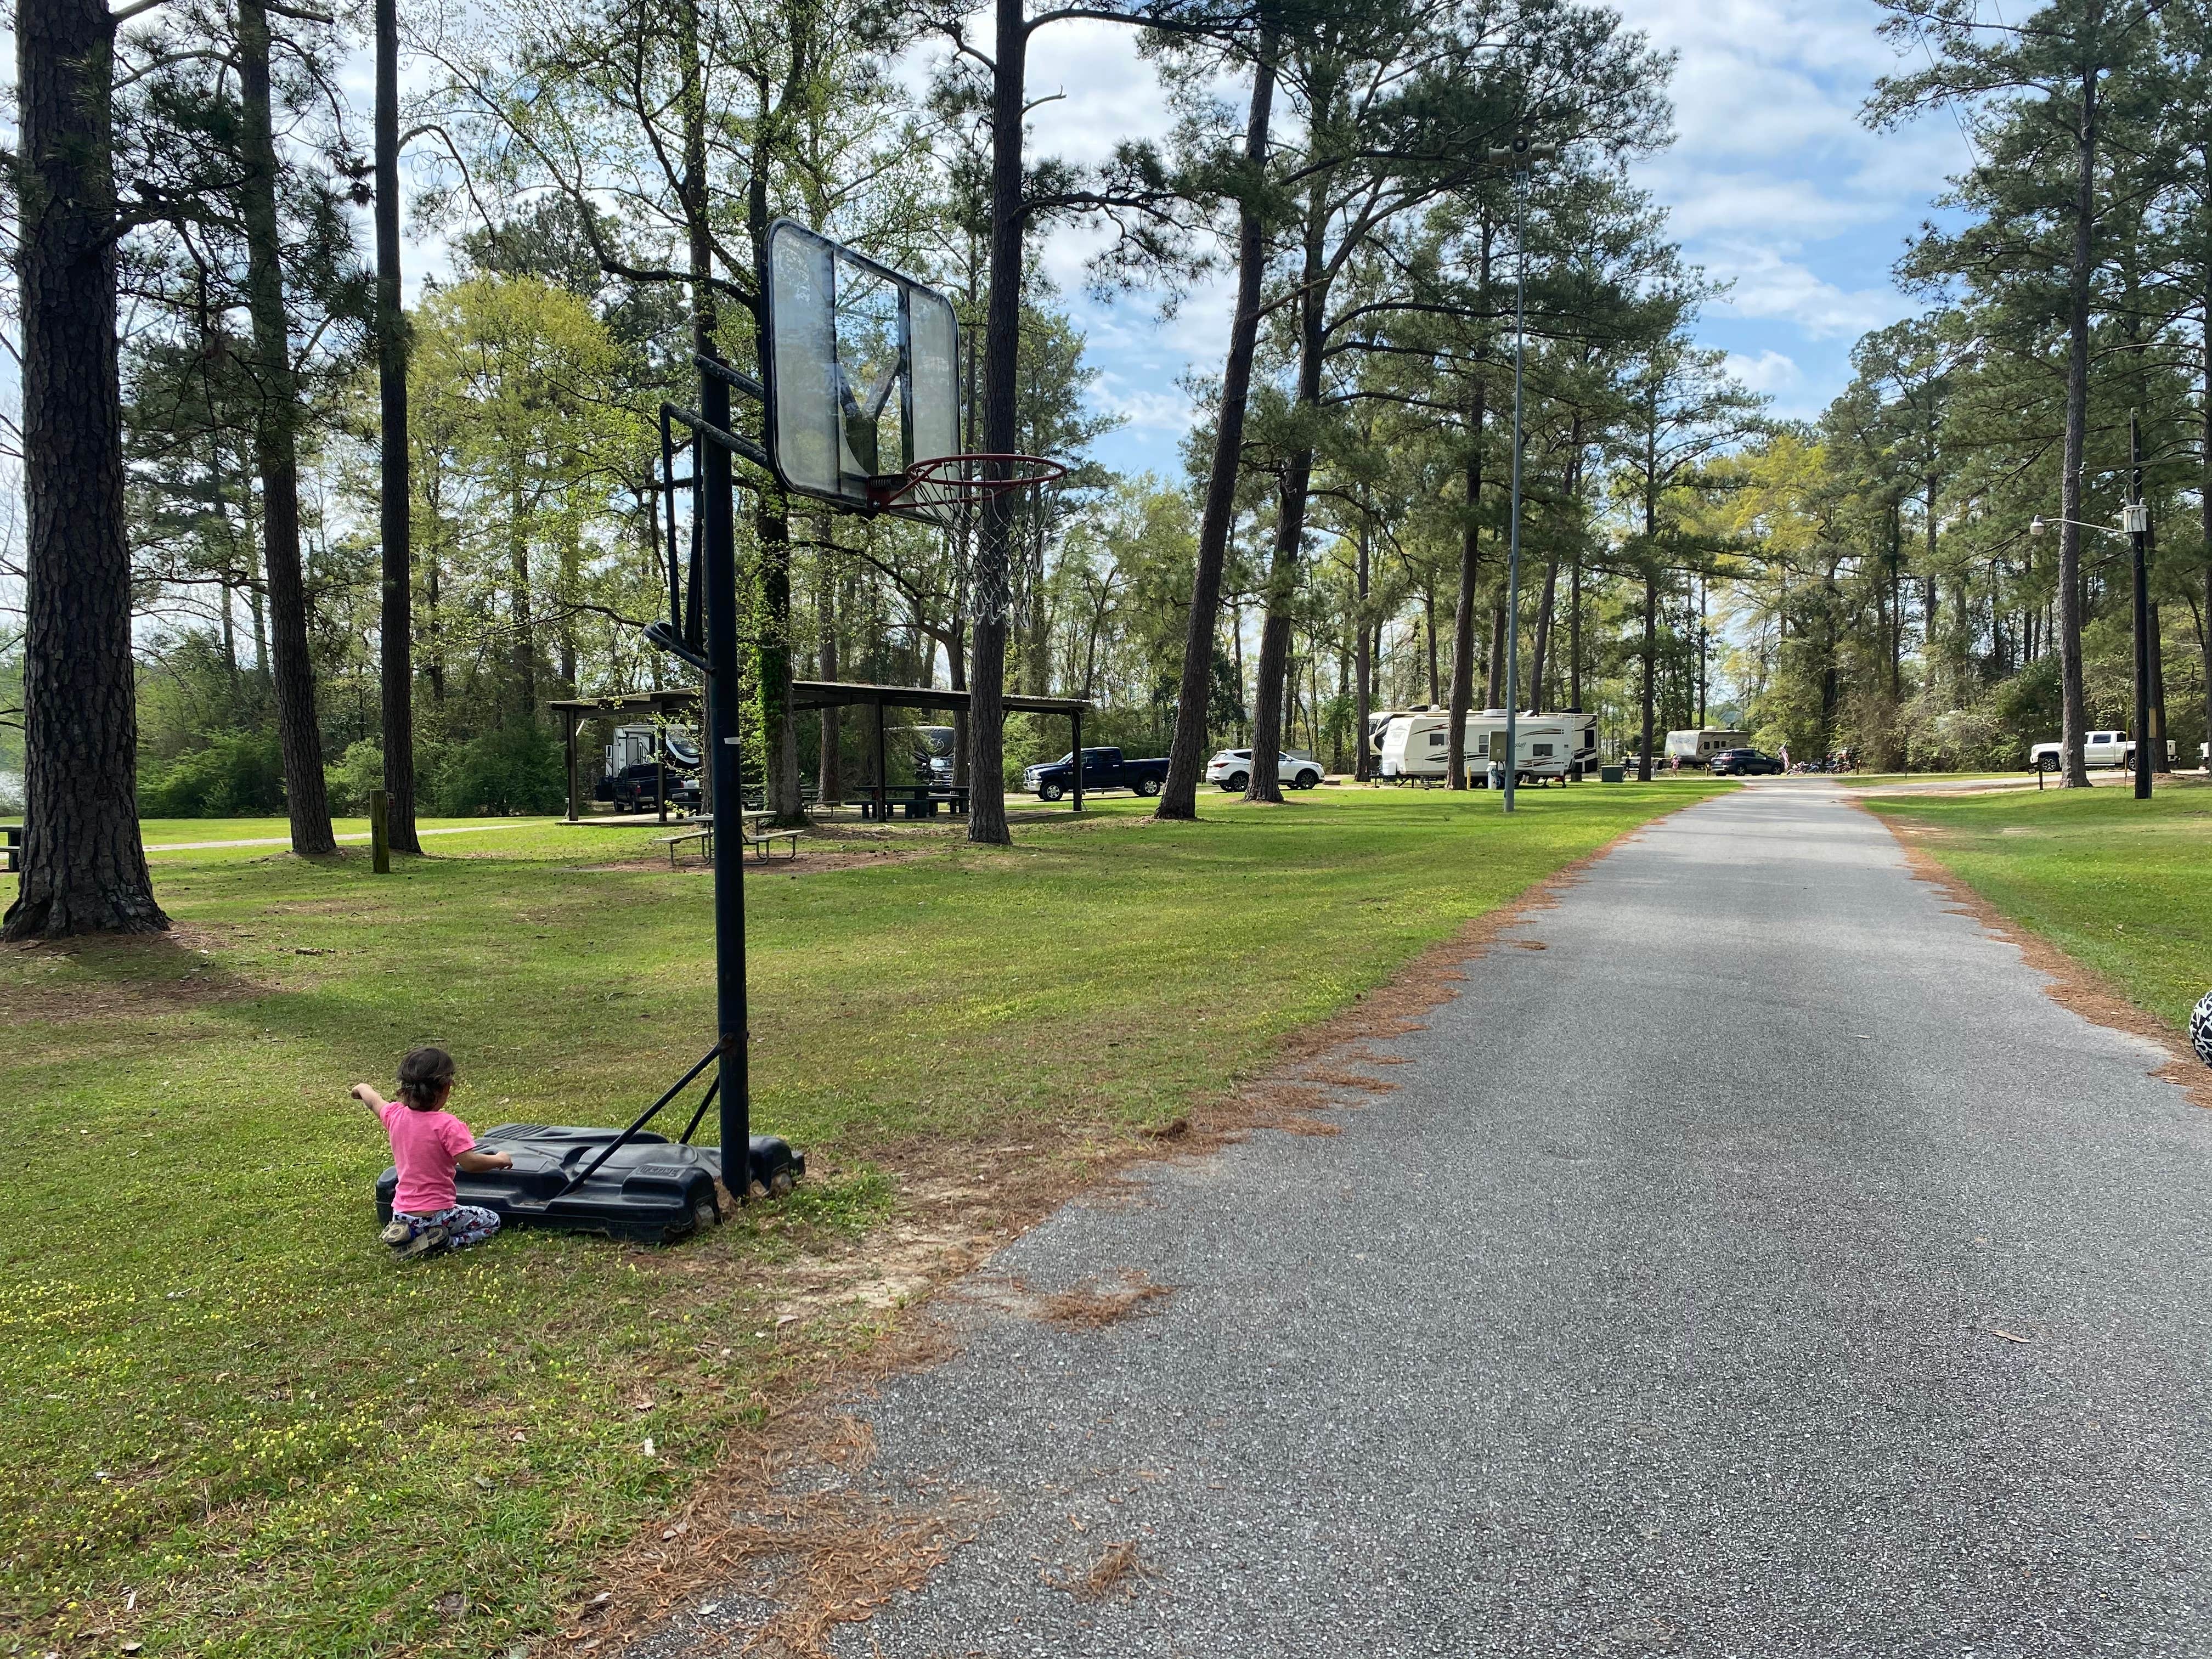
465, 1225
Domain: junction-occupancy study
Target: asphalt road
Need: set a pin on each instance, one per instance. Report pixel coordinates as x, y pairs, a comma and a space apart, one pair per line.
1656, 1312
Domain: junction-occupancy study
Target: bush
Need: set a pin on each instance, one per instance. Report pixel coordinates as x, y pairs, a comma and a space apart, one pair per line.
359, 770
511, 768
238, 774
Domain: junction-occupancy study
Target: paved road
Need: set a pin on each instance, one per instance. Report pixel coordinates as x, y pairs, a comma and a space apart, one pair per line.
1564, 1349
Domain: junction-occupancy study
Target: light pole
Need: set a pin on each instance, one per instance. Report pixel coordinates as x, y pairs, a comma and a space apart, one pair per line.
1521, 158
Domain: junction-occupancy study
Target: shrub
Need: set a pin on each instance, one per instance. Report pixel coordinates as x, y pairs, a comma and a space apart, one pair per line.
359, 770
511, 768
238, 773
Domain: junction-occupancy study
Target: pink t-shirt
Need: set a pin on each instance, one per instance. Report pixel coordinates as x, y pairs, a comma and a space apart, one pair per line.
423, 1147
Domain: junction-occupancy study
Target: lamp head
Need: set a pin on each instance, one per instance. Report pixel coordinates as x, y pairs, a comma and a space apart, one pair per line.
2036, 526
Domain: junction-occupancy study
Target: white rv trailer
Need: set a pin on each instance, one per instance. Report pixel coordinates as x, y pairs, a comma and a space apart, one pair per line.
637, 743
1550, 745
1697, 748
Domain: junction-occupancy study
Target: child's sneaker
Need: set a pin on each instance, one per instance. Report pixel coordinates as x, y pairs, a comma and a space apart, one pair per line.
395, 1233
430, 1238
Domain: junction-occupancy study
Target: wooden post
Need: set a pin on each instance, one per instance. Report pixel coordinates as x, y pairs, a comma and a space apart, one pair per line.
379, 832
1075, 736
568, 745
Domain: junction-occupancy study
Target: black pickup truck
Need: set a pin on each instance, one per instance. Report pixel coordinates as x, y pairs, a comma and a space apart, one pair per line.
1102, 768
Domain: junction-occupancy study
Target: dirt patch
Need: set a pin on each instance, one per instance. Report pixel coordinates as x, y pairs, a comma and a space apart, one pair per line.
2070, 983
114, 975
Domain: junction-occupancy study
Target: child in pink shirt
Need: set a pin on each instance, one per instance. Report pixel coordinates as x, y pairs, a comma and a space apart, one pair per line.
429, 1144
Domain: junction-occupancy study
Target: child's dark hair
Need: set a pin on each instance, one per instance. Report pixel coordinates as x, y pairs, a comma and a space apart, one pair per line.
424, 1076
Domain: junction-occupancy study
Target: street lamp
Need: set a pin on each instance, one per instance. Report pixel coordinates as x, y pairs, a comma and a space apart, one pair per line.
1522, 156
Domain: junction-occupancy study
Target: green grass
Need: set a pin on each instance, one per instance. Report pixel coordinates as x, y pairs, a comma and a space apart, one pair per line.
222, 1401
2116, 883
196, 832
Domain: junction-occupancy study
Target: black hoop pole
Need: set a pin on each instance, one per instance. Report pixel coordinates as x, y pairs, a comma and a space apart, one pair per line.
715, 510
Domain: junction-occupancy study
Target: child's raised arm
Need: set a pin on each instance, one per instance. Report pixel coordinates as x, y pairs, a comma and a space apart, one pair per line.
367, 1095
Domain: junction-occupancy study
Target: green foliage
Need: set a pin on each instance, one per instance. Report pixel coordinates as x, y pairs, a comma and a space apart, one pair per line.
359, 770
236, 773
515, 767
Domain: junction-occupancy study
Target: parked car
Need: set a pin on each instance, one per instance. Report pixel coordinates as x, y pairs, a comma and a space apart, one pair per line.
1745, 764
1232, 770
2099, 749
1102, 768
636, 788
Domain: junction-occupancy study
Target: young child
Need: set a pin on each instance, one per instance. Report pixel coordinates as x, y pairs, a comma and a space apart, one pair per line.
428, 1143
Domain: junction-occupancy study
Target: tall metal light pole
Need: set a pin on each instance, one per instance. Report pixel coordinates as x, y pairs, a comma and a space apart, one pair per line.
1523, 156
2136, 517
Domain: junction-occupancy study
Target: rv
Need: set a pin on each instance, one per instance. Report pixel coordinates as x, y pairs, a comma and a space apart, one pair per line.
635, 744
1550, 744
1697, 748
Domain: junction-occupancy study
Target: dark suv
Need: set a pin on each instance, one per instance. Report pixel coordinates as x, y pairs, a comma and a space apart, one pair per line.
636, 788
1745, 764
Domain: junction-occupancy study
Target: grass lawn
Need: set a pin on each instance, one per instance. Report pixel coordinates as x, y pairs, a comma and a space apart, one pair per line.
232, 1427
2116, 883
197, 832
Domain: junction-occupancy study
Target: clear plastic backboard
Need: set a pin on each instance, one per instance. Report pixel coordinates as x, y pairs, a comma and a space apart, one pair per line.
864, 380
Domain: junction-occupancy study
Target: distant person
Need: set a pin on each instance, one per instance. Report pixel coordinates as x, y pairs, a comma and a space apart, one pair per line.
429, 1144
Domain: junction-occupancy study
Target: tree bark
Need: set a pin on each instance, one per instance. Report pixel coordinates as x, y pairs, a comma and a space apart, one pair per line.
276, 444
830, 755
2075, 726
84, 866
1193, 698
1493, 679
1363, 695
1470, 566
1651, 655
396, 622
1002, 324
1266, 784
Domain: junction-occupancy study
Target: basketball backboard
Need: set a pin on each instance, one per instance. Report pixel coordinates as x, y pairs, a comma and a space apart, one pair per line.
864, 380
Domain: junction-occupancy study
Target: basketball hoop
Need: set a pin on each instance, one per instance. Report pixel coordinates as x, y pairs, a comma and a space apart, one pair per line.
945, 479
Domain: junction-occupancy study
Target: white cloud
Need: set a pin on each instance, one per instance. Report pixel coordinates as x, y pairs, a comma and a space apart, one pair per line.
1774, 372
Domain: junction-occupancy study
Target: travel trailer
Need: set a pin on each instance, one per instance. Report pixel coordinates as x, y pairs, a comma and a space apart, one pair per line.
1698, 748
1550, 745
633, 744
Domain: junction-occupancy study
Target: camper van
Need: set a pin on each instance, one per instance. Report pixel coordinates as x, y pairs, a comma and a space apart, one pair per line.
1697, 748
633, 745
1551, 745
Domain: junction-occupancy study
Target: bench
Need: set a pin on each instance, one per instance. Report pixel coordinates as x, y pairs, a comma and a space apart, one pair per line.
11, 848
913, 799
765, 839
704, 837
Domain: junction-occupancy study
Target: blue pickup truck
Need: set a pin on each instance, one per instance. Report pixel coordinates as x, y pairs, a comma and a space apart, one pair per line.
1102, 768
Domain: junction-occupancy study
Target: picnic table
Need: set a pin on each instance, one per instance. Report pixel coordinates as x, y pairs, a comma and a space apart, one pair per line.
11, 848
763, 840
915, 800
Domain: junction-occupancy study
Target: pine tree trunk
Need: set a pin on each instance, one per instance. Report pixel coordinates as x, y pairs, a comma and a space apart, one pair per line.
1187, 751
1650, 658
276, 446
2075, 726
1470, 565
1364, 695
396, 618
84, 866
1002, 324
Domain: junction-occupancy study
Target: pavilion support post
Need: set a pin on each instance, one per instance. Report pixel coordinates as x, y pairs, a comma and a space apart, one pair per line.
1075, 738
569, 748
660, 771
882, 792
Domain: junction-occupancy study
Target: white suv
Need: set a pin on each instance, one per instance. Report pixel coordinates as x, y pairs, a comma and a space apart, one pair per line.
1232, 770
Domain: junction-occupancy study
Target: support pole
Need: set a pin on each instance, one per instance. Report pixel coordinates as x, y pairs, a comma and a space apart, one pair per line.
2139, 534
569, 749
1075, 738
714, 508
883, 766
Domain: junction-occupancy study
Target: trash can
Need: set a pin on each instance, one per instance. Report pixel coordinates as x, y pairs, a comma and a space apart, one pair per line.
1497, 775
1611, 774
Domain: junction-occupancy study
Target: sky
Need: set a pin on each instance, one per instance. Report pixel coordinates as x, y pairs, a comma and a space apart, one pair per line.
1773, 186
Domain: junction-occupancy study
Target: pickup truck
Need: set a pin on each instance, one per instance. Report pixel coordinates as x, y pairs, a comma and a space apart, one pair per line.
2099, 749
1102, 768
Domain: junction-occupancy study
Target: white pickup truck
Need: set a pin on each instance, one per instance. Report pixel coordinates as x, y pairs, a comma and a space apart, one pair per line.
2101, 748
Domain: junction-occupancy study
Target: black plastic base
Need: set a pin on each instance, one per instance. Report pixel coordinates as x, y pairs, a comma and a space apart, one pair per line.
652, 1189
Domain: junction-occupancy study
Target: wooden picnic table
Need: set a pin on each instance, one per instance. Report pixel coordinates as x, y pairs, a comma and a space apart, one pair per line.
11, 848
916, 800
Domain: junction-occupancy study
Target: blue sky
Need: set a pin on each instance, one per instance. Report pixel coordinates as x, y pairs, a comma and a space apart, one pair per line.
1772, 183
